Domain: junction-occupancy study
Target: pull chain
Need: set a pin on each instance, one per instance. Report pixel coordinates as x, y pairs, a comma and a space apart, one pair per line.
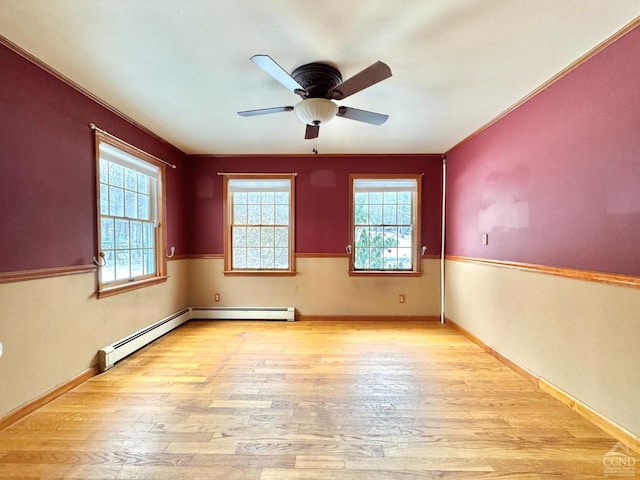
315, 145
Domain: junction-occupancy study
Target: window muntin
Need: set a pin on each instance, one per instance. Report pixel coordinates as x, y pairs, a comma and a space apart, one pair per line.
259, 223
385, 224
130, 211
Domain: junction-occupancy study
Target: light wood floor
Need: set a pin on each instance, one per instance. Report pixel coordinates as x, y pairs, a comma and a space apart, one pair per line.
305, 400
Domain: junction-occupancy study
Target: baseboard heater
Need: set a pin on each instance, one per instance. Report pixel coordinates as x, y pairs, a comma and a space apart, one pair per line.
110, 354
244, 313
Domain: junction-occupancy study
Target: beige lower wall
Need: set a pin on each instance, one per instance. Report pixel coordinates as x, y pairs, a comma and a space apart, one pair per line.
580, 336
322, 286
51, 329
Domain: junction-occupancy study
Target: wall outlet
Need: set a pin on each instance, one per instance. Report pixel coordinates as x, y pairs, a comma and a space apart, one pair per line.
0, 349
217, 297
485, 239
401, 298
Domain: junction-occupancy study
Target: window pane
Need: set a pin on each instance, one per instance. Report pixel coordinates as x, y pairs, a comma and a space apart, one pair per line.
361, 198
136, 234
130, 179
239, 259
390, 197
240, 214
268, 237
149, 262
148, 236
375, 212
405, 262
362, 236
376, 261
282, 198
390, 237
122, 234
390, 258
389, 214
253, 215
267, 259
116, 202
254, 198
268, 197
404, 198
404, 214
130, 204
143, 183
253, 258
282, 258
116, 175
268, 215
122, 264
375, 197
239, 236
107, 231
361, 258
104, 171
144, 208
282, 215
281, 237
137, 263
361, 214
253, 236
108, 272
104, 199
240, 197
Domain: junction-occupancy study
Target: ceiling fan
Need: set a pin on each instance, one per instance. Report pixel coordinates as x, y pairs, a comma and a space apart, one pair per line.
319, 84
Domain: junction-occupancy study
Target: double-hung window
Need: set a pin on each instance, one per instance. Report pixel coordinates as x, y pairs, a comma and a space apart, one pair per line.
385, 223
130, 217
259, 223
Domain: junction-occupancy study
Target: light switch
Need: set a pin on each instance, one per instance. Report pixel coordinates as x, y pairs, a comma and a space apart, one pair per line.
485, 239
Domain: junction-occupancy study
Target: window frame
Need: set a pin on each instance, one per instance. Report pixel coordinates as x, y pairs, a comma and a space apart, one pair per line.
416, 224
106, 289
228, 215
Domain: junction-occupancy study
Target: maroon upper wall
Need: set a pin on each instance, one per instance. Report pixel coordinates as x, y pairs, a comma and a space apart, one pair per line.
557, 181
47, 169
322, 196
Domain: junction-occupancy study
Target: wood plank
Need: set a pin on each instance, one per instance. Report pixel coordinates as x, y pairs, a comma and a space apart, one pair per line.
306, 400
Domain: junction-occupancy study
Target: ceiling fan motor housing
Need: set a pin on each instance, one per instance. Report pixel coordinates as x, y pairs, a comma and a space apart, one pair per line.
317, 79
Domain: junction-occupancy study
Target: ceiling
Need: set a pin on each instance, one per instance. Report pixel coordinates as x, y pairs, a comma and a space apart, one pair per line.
181, 68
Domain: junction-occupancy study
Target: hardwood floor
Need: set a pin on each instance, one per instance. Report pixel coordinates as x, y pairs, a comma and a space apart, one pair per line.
306, 400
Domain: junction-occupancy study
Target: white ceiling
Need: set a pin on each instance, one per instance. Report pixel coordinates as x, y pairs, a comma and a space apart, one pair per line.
181, 68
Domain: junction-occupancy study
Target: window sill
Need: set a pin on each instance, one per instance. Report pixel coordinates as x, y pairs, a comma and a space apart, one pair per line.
261, 273
379, 273
127, 287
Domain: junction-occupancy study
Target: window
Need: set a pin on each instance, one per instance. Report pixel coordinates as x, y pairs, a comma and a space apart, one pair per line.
385, 223
130, 217
259, 223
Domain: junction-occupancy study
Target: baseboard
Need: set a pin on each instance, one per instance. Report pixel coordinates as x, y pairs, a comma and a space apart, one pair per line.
612, 428
367, 318
40, 401
616, 431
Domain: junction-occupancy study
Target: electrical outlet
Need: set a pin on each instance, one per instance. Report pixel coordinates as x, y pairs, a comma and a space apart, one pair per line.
401, 298
217, 297
0, 349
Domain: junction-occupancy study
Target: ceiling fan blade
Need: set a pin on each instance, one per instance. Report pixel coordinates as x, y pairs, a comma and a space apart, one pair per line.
362, 115
264, 111
369, 76
312, 132
269, 65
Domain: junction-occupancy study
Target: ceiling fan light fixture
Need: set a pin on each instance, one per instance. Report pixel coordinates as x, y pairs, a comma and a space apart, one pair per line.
315, 111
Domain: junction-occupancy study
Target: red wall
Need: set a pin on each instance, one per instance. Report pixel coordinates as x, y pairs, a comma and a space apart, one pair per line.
322, 196
47, 169
557, 181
